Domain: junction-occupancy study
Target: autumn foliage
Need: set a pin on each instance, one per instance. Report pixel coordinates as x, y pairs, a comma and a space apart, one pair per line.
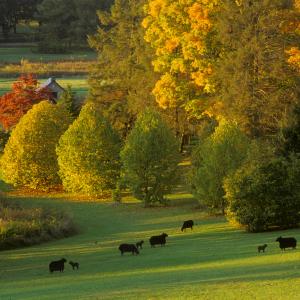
23, 96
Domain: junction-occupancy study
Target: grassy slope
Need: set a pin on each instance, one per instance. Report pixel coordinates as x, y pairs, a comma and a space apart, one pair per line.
215, 261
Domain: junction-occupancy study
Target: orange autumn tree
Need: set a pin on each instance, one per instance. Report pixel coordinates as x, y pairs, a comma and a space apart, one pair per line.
23, 96
294, 52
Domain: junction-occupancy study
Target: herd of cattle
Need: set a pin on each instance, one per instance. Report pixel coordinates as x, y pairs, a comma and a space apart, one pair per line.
284, 243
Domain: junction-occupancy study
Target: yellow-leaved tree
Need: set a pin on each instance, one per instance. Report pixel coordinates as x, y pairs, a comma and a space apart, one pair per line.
29, 157
181, 32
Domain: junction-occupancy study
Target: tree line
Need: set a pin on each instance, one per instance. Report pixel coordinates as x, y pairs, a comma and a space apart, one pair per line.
59, 26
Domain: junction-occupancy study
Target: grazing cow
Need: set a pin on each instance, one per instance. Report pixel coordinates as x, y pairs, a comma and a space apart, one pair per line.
289, 242
262, 248
187, 224
58, 265
128, 248
158, 240
139, 244
74, 265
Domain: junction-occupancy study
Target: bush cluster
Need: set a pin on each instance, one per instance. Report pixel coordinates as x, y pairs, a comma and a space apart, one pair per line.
265, 195
21, 227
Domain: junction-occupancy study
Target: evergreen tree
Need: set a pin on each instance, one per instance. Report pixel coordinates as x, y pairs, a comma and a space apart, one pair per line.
68, 100
4, 136
254, 82
88, 154
150, 159
29, 157
122, 80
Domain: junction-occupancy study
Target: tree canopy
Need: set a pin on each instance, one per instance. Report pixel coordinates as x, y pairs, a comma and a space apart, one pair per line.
150, 159
29, 157
88, 154
24, 95
65, 24
122, 79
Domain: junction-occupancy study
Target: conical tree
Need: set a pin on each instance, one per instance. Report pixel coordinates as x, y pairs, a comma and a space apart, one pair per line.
88, 154
150, 158
29, 157
217, 157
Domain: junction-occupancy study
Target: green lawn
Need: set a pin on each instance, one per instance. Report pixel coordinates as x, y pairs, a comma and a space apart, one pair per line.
79, 84
214, 261
16, 54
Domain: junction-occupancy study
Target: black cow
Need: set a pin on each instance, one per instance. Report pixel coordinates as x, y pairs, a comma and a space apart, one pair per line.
58, 265
139, 244
289, 242
187, 224
128, 248
158, 240
262, 248
74, 265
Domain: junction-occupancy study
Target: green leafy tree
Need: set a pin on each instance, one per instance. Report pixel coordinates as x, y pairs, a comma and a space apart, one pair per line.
214, 159
265, 194
88, 154
254, 82
29, 157
122, 80
291, 135
4, 136
13, 11
150, 159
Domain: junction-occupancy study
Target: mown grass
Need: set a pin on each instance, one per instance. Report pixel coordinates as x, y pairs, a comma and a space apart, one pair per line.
16, 54
214, 261
79, 84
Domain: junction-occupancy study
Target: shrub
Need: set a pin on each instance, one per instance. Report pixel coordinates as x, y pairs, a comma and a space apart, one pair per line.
88, 154
150, 158
21, 227
265, 194
29, 157
215, 158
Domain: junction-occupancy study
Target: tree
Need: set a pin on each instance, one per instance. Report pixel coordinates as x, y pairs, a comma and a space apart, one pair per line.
68, 100
254, 83
88, 154
122, 80
29, 157
150, 159
23, 96
65, 24
214, 159
4, 136
265, 195
291, 135
182, 35
12, 11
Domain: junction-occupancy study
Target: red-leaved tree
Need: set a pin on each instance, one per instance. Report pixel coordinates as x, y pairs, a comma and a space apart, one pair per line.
23, 96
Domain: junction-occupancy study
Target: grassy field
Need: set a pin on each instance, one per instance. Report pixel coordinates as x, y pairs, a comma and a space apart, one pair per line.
214, 261
16, 54
78, 83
